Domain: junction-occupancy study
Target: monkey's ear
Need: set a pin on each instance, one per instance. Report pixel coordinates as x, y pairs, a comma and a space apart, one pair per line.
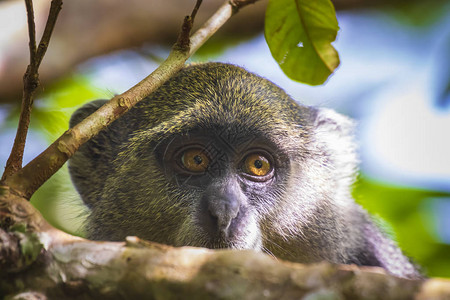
84, 111
333, 136
327, 120
90, 164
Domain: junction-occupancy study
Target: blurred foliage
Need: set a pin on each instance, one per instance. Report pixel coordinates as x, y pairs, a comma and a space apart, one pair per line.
405, 214
420, 13
60, 204
52, 112
299, 34
216, 46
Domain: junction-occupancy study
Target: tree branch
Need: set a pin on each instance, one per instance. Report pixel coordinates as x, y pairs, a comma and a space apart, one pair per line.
28, 179
55, 8
195, 10
31, 30
43, 261
30, 83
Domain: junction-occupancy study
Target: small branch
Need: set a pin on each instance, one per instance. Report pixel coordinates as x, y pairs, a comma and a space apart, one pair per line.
238, 4
228, 9
195, 10
30, 83
183, 40
28, 179
31, 30
55, 8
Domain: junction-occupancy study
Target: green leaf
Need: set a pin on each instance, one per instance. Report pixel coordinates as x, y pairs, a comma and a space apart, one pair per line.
299, 34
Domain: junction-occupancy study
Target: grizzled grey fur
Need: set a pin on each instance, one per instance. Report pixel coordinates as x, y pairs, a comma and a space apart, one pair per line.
129, 177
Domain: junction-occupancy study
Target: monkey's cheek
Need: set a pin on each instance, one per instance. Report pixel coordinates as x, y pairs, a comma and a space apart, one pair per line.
245, 234
253, 239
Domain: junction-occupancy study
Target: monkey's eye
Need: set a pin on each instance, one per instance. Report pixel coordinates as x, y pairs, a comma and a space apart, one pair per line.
257, 165
195, 160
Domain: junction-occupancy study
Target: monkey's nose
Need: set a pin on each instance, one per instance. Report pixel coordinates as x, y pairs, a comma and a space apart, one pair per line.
223, 212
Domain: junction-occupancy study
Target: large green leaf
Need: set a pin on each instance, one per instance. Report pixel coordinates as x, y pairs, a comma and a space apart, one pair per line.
299, 34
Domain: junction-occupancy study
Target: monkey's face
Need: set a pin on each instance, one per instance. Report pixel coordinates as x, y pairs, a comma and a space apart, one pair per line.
232, 177
217, 157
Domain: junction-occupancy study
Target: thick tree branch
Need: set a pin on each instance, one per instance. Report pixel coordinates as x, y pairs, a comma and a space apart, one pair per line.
28, 179
30, 83
38, 259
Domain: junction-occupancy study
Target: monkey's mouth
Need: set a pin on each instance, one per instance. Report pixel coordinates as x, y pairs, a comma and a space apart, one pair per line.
221, 243
199, 237
204, 230
216, 240
229, 243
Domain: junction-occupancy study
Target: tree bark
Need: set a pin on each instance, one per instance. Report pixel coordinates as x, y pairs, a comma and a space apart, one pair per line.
40, 262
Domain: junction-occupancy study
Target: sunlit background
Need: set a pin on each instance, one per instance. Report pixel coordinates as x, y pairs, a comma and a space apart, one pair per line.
393, 80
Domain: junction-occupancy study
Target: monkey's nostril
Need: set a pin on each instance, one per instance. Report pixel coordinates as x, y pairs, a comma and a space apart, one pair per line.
220, 222
223, 225
223, 212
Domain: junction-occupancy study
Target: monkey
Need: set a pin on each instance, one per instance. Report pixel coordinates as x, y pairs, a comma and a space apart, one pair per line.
219, 157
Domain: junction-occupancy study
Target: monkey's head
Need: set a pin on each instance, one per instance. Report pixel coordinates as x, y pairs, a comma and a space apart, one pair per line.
217, 157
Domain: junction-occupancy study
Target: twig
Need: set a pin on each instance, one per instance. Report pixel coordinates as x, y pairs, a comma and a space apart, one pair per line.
31, 30
27, 180
30, 83
195, 10
55, 8
228, 9
238, 4
183, 40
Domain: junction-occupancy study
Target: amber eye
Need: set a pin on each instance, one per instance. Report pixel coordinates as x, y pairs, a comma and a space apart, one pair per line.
195, 160
257, 165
